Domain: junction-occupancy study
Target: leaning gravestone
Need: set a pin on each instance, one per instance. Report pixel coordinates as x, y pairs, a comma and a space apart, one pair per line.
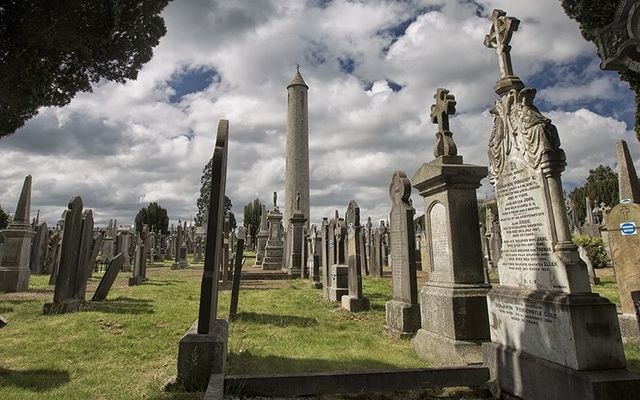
403, 311
354, 301
203, 349
72, 272
14, 264
108, 278
551, 336
453, 303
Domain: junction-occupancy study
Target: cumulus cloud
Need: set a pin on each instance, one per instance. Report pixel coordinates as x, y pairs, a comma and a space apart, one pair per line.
372, 68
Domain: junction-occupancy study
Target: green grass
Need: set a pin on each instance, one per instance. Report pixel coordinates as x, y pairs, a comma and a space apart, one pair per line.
126, 347
608, 288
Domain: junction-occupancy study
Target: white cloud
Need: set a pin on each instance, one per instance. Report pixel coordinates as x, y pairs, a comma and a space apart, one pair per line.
125, 144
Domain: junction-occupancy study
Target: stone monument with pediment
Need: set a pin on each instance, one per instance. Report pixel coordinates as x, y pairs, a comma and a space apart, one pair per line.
551, 337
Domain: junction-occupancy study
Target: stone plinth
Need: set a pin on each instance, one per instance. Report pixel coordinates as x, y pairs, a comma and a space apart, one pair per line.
402, 319
355, 300
200, 355
453, 301
295, 239
274, 248
339, 280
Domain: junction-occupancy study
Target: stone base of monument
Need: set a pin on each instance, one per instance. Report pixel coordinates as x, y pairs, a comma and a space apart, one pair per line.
629, 327
355, 304
441, 350
63, 307
14, 279
403, 319
136, 280
272, 264
335, 294
317, 285
200, 355
295, 273
519, 375
179, 265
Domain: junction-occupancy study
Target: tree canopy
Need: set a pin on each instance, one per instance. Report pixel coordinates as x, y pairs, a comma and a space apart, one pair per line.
153, 216
595, 14
252, 215
601, 185
51, 50
203, 200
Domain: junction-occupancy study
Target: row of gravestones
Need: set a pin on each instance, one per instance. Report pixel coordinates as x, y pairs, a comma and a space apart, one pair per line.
542, 332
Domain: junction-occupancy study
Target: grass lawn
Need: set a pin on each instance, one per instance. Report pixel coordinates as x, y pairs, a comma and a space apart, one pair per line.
126, 347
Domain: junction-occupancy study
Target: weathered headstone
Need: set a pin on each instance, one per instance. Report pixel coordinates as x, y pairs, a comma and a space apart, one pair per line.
263, 235
58, 235
403, 311
108, 243
108, 278
203, 349
39, 248
73, 271
339, 278
354, 301
315, 256
453, 302
627, 177
14, 265
367, 245
324, 256
376, 257
551, 336
593, 279
237, 274
123, 240
274, 248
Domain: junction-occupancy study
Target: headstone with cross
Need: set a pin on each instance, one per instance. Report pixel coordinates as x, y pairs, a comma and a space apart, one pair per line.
499, 37
445, 105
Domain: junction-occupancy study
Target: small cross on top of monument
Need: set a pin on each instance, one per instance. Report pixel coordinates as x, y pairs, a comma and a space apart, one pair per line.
499, 37
275, 200
445, 105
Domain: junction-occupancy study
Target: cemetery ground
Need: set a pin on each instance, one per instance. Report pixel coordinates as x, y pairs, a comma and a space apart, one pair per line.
126, 346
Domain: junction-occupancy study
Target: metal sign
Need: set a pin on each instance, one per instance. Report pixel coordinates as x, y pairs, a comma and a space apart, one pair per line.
628, 228
625, 201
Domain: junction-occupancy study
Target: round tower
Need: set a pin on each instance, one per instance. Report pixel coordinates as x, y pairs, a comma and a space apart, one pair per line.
297, 148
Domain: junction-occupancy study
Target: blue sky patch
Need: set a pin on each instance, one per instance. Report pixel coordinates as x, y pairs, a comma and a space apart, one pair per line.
190, 80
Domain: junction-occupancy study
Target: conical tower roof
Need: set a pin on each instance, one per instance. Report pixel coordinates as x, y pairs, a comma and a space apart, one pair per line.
297, 79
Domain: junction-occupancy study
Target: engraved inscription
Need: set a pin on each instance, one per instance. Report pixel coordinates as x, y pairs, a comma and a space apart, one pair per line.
440, 246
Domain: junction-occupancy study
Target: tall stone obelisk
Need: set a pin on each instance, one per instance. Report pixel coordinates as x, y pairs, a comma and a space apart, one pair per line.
297, 150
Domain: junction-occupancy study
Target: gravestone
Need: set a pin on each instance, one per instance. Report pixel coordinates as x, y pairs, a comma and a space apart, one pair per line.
315, 255
97, 245
627, 177
453, 303
273, 251
295, 240
55, 264
139, 261
584, 256
354, 301
263, 234
123, 240
203, 349
377, 257
625, 252
225, 252
403, 311
73, 271
108, 278
237, 274
324, 256
591, 224
339, 274
367, 245
39, 248
14, 264
551, 336
108, 243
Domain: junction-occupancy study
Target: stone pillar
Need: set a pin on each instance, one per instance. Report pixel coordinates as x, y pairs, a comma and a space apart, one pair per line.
14, 265
403, 311
367, 246
453, 302
551, 336
354, 301
297, 148
315, 250
324, 256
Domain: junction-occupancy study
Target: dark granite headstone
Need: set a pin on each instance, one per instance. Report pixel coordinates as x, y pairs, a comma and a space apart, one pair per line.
108, 278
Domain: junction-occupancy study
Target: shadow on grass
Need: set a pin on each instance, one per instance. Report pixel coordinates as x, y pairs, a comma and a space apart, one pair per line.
124, 305
5, 310
276, 320
246, 363
37, 380
159, 283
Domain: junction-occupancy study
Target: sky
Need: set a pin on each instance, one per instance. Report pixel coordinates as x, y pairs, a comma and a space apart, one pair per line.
372, 69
